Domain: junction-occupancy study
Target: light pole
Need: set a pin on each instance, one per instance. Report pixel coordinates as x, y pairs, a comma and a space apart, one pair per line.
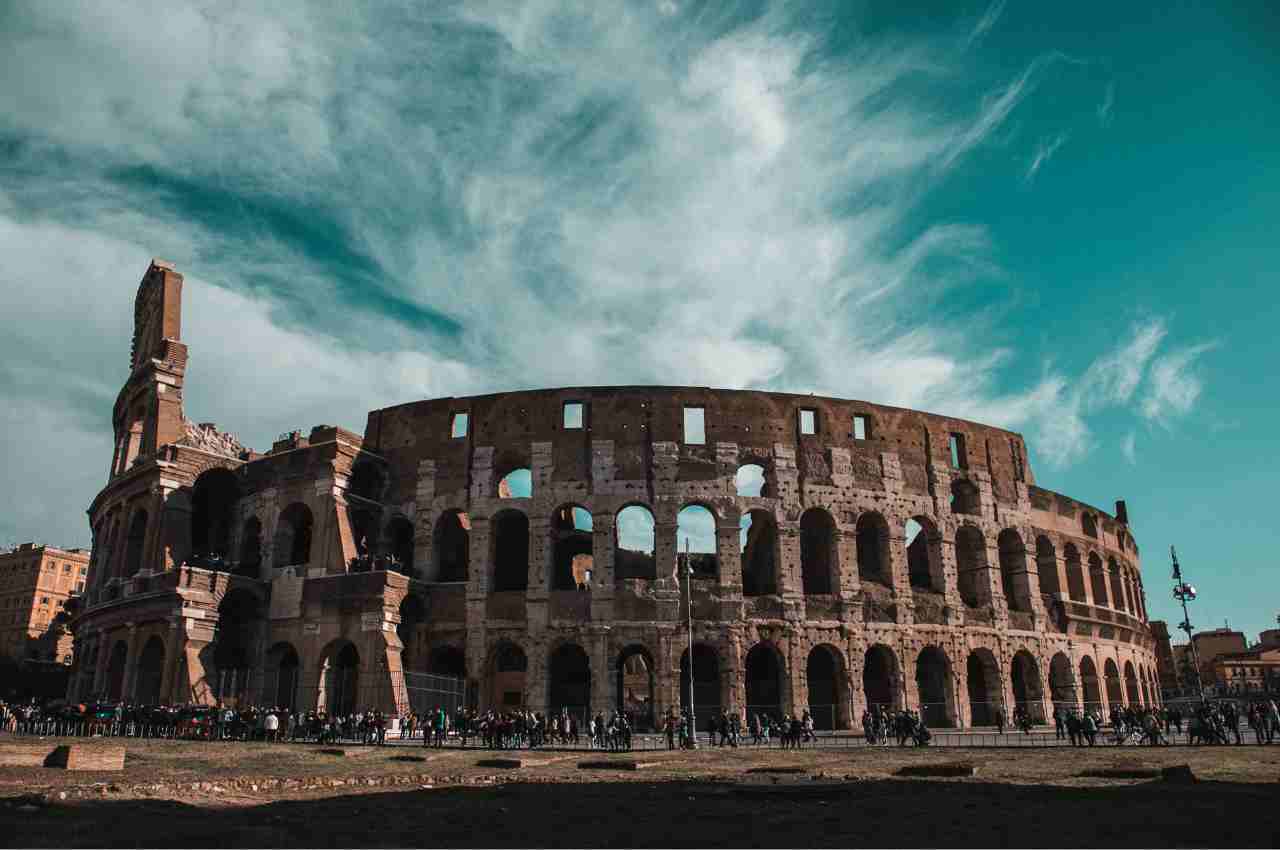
688, 598
1185, 593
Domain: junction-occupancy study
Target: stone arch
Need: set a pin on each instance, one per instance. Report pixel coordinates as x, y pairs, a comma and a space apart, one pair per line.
1075, 573
935, 687
1089, 685
1131, 684
510, 547
239, 615
1115, 692
150, 675
367, 480
516, 484
570, 531
818, 552
250, 561
117, 661
1047, 566
569, 681
399, 536
971, 566
1062, 684
1119, 595
634, 537
965, 498
508, 667
764, 671
751, 481
447, 660
635, 686
1089, 525
880, 677
340, 678
1098, 581
1028, 692
924, 555
758, 539
451, 546
213, 501
365, 519
982, 676
292, 544
696, 536
1013, 570
706, 680
283, 676
872, 544
828, 687
135, 543
413, 613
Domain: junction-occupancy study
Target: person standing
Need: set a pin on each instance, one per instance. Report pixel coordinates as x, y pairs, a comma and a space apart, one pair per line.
1000, 719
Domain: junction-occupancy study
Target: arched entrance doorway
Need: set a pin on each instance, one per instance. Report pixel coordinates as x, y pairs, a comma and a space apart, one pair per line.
1115, 694
1028, 694
828, 697
507, 679
933, 679
764, 679
982, 676
340, 674
1089, 684
1062, 685
880, 678
1131, 684
281, 687
569, 682
233, 649
634, 687
706, 681
115, 670
150, 672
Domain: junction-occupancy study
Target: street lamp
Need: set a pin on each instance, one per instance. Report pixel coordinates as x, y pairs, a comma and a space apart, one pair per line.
1186, 593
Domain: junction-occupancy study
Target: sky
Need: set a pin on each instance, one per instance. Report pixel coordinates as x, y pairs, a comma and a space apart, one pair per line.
1056, 220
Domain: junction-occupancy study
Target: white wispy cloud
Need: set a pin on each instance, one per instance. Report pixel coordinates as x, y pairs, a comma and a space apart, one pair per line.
1044, 152
1108, 101
1175, 386
1128, 447
987, 21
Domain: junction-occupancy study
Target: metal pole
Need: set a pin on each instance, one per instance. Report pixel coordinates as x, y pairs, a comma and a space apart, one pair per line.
1182, 591
688, 595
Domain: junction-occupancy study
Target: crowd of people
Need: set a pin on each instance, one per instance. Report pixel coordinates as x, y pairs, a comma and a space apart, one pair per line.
880, 725
1205, 723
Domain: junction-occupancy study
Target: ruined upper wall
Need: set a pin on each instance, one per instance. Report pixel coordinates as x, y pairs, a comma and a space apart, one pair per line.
636, 417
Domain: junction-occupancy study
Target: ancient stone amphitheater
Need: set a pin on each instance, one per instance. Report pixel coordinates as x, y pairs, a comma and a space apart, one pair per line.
536, 549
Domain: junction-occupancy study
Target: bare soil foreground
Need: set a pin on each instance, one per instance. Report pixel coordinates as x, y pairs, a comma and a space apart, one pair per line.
254, 795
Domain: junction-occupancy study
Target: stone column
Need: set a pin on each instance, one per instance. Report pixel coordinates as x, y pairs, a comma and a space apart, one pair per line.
100, 669
130, 664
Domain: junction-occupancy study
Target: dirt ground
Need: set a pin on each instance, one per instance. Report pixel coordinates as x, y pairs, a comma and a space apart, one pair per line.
236, 795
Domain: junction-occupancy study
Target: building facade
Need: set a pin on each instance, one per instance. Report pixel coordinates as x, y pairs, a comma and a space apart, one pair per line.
528, 545
36, 584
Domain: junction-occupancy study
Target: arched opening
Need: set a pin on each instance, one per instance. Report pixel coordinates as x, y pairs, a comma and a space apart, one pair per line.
1075, 574
828, 695
367, 480
1115, 693
933, 680
971, 566
233, 647
817, 552
1047, 567
571, 547
1028, 693
135, 543
964, 497
250, 563
924, 555
1062, 685
569, 681
283, 666
510, 530
634, 687
213, 503
340, 673
758, 539
1131, 684
880, 677
985, 694
633, 542
872, 543
750, 482
413, 613
150, 673
447, 661
509, 666
1119, 599
1089, 525
516, 484
400, 545
292, 544
706, 680
1098, 581
764, 678
451, 544
1089, 685
1146, 693
364, 519
1013, 570
115, 670
696, 540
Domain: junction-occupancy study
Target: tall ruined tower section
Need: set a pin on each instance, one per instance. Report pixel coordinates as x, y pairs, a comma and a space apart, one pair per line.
148, 411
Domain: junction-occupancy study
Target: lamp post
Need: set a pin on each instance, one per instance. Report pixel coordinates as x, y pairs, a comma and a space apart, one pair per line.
688, 597
1186, 593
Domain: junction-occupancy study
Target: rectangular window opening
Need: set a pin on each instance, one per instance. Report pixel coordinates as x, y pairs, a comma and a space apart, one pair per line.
860, 429
573, 415
695, 426
459, 425
959, 459
808, 422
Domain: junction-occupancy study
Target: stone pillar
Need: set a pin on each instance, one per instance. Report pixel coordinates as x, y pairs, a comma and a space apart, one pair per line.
100, 669
602, 572
425, 515
541, 554
790, 584
797, 660
603, 672
728, 556
172, 658
130, 664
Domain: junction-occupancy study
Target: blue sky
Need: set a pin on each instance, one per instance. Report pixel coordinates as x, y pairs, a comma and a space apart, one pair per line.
1055, 220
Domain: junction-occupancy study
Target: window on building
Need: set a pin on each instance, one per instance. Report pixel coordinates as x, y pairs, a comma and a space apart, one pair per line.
861, 426
959, 458
808, 422
459, 428
573, 415
66, 568
84, 570
79, 587
695, 433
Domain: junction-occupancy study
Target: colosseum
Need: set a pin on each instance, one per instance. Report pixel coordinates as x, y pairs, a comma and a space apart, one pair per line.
536, 549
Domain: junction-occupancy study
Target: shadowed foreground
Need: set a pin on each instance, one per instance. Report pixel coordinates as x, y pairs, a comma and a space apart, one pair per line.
874, 812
